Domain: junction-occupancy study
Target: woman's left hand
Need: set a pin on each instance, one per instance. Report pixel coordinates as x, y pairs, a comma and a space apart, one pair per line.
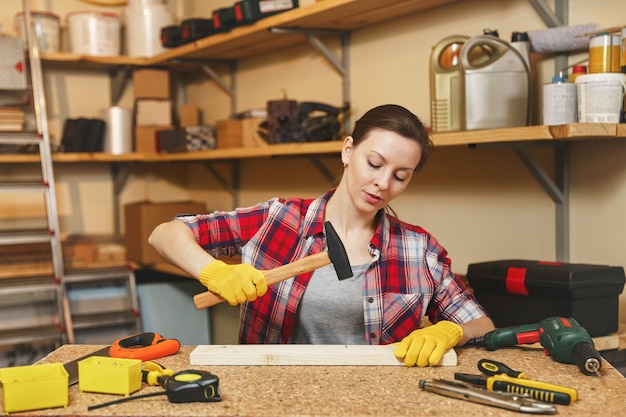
426, 346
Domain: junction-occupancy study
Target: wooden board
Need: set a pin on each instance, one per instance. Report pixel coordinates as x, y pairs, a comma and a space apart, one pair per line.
345, 355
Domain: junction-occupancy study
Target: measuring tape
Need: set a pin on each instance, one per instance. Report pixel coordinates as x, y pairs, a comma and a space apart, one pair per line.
183, 387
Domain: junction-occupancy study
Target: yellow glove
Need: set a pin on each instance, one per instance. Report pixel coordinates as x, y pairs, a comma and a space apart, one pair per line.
235, 283
428, 345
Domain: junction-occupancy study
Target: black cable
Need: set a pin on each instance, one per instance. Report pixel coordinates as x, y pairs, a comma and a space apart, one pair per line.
123, 400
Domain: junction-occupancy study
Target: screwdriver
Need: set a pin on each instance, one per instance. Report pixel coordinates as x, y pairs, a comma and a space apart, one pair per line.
182, 387
490, 367
534, 389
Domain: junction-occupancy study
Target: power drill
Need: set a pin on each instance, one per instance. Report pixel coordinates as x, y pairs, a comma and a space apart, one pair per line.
564, 339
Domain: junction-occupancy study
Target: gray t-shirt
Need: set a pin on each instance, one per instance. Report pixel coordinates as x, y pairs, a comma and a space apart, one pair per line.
331, 311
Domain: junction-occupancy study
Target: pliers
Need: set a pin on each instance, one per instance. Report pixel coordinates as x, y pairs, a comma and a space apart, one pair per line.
504, 400
500, 377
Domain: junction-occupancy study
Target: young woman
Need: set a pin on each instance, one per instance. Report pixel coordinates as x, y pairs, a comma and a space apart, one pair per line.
401, 273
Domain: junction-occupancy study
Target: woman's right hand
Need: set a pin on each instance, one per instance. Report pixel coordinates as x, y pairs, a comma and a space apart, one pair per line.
235, 283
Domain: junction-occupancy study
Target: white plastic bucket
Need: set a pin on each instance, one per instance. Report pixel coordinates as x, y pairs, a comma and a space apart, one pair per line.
600, 97
46, 27
94, 33
143, 28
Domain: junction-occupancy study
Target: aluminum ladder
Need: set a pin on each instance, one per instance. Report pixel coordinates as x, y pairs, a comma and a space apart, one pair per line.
43, 289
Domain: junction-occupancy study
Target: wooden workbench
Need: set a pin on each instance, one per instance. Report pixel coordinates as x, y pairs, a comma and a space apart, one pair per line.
347, 390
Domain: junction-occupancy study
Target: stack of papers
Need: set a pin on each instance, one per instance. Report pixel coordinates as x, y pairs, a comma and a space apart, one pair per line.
11, 119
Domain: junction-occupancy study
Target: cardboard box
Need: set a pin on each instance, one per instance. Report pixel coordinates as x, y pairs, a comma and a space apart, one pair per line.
241, 133
151, 83
146, 138
152, 112
200, 137
12, 66
517, 292
189, 115
140, 220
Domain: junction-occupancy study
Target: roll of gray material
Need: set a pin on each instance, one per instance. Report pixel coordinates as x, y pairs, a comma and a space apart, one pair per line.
118, 134
561, 39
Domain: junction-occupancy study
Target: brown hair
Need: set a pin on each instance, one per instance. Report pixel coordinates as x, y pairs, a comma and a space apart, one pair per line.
398, 119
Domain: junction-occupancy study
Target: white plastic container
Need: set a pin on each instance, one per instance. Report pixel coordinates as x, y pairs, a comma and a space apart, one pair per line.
118, 134
94, 33
143, 21
559, 104
46, 27
600, 97
495, 84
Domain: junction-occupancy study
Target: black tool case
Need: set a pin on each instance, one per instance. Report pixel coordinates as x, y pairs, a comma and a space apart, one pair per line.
516, 292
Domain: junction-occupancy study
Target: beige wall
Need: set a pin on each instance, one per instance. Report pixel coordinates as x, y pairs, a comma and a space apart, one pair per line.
482, 204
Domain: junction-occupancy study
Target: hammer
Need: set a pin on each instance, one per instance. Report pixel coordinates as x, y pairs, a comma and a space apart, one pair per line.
336, 254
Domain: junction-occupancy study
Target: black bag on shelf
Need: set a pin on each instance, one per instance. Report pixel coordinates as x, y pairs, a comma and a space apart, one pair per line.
83, 135
95, 136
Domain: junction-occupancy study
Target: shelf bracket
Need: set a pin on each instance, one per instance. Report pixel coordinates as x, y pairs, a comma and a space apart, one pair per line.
340, 64
558, 17
557, 189
120, 173
228, 89
326, 173
231, 186
119, 79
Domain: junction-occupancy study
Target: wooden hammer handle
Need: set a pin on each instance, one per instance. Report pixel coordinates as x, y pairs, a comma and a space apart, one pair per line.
272, 276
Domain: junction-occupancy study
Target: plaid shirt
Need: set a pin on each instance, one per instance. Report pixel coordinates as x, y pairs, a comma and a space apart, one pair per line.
408, 277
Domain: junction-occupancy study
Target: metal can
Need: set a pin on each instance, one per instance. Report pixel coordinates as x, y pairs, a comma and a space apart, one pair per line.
623, 50
604, 53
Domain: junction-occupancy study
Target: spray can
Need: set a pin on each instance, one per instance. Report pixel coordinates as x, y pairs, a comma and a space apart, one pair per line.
560, 104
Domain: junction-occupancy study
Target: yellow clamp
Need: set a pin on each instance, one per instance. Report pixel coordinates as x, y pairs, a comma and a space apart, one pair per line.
154, 373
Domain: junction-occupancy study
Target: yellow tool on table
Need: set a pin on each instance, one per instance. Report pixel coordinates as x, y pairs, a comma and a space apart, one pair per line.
154, 374
500, 377
180, 387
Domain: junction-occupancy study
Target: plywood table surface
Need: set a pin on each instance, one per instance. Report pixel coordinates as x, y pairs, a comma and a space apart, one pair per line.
347, 390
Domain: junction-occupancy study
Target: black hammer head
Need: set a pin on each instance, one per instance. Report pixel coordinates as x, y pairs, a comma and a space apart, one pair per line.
337, 253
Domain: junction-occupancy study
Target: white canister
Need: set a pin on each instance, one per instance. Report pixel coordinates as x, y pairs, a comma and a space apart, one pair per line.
94, 33
559, 106
600, 97
46, 27
143, 28
118, 133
